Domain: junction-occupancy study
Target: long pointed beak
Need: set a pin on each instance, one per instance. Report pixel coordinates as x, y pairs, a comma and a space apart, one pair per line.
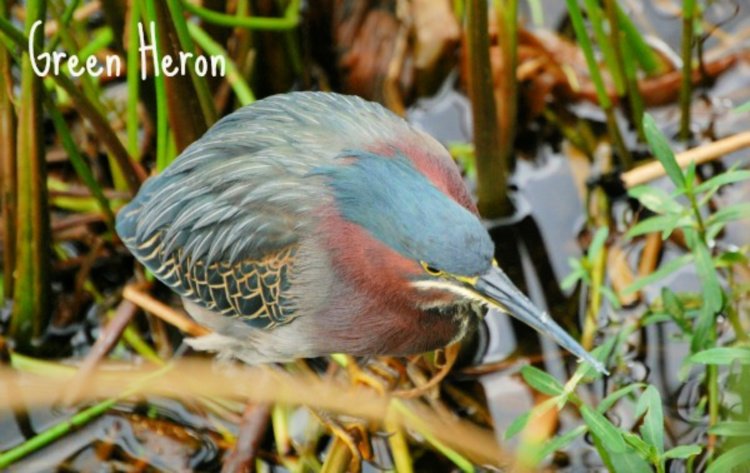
498, 290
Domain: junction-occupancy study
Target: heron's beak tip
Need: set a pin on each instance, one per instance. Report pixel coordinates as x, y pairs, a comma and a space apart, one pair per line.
498, 291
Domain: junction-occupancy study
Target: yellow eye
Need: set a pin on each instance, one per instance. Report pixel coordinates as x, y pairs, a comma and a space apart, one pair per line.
432, 271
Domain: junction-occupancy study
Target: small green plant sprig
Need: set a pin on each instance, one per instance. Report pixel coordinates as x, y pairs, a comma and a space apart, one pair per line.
683, 209
619, 449
644, 449
582, 269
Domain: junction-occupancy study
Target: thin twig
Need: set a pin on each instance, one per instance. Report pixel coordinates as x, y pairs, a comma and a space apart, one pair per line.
109, 336
148, 303
254, 424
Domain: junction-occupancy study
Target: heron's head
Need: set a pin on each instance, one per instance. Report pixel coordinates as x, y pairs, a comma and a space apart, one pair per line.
405, 228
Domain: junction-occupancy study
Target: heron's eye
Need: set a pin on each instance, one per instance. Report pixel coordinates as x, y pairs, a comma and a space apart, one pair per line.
431, 270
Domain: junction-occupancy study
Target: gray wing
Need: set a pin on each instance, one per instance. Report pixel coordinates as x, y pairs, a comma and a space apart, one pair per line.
223, 241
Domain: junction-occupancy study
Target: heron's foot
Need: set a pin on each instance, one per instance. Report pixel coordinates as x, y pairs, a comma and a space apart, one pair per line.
375, 373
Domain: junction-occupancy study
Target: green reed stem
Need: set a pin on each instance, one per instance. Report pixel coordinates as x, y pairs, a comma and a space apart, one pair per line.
133, 79
289, 21
686, 86
507, 93
637, 108
7, 166
162, 114
492, 171
31, 298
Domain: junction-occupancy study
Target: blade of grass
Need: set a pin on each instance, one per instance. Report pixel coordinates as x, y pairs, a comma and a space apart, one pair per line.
413, 420
649, 61
399, 447
62, 24
133, 71
576, 18
634, 93
625, 66
162, 114
596, 19
78, 162
235, 79
31, 298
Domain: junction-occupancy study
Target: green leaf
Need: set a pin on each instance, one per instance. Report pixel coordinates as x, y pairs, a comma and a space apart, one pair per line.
731, 429
558, 443
704, 264
664, 270
662, 151
730, 213
645, 450
610, 295
541, 381
612, 398
659, 223
690, 175
722, 356
738, 456
655, 199
629, 462
683, 451
745, 107
655, 318
571, 279
730, 258
704, 331
517, 425
674, 307
597, 243
727, 177
672, 303
601, 427
652, 428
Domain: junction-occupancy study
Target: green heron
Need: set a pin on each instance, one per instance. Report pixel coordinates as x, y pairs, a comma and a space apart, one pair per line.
314, 223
